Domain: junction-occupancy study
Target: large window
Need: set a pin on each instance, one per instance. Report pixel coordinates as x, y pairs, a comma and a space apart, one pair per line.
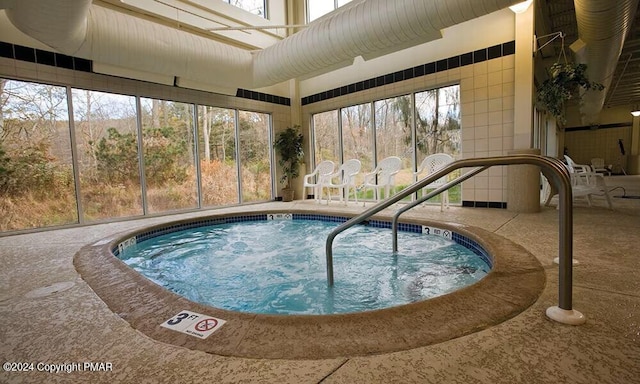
319, 8
326, 137
383, 128
168, 151
357, 135
255, 156
218, 165
438, 121
394, 136
37, 184
253, 6
120, 156
438, 127
107, 142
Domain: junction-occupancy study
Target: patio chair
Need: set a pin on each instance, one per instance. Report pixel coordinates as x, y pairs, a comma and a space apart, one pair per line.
346, 175
383, 176
585, 183
432, 164
318, 178
597, 164
576, 168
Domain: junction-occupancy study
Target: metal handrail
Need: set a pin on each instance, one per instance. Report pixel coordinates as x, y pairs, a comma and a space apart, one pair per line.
426, 197
553, 169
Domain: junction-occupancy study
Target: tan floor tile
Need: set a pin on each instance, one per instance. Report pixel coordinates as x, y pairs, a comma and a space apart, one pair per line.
76, 325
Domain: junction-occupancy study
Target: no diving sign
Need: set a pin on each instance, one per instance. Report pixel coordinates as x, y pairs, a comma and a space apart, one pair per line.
194, 324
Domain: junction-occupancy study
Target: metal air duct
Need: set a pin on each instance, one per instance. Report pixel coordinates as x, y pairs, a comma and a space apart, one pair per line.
62, 25
76, 28
118, 39
602, 27
369, 29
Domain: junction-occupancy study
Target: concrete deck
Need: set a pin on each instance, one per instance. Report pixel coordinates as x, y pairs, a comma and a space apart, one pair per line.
50, 315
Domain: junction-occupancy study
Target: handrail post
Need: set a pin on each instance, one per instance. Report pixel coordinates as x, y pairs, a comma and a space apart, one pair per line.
329, 256
564, 312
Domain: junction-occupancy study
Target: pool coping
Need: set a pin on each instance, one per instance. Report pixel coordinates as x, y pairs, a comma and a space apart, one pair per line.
514, 284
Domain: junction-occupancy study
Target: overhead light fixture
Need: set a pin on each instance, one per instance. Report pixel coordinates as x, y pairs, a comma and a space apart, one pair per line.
521, 7
635, 113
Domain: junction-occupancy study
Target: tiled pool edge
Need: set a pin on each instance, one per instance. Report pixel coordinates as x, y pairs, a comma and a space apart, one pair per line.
458, 238
515, 283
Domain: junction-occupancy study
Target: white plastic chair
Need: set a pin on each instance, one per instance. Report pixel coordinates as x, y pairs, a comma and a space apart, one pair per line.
597, 163
318, 178
346, 175
383, 176
574, 167
432, 164
585, 182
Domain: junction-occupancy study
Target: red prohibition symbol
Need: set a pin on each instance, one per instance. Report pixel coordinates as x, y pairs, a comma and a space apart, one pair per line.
206, 325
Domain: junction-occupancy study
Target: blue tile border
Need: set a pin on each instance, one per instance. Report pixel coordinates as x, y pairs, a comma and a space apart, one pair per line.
465, 241
328, 218
259, 96
39, 56
493, 52
34, 55
474, 246
484, 204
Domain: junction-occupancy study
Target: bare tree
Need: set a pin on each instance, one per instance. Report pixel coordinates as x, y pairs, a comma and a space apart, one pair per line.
206, 132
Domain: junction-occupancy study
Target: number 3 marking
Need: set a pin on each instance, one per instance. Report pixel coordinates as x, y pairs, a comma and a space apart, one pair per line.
178, 319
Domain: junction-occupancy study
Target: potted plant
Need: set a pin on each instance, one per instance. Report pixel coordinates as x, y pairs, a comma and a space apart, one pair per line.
289, 146
564, 83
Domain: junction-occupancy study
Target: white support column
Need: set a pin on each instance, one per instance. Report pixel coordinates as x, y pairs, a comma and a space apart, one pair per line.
296, 119
523, 87
523, 180
296, 107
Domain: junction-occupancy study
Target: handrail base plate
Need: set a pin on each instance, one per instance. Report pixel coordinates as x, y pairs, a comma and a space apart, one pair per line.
566, 316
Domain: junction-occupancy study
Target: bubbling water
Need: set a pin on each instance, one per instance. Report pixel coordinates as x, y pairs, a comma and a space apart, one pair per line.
279, 267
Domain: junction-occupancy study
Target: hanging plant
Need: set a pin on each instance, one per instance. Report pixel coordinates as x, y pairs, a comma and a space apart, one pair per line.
564, 84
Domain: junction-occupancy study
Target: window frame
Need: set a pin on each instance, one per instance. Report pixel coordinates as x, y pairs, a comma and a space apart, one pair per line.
265, 14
